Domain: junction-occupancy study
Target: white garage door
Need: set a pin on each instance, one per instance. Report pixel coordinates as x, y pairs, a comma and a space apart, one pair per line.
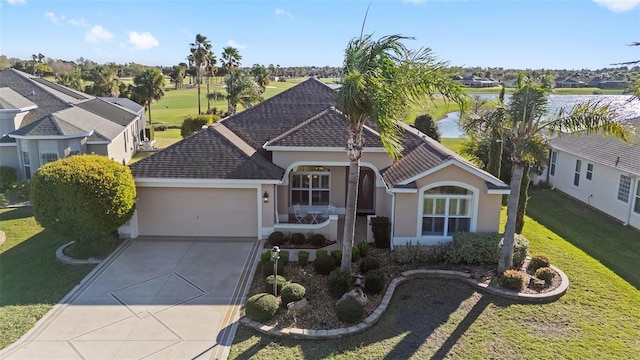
197, 212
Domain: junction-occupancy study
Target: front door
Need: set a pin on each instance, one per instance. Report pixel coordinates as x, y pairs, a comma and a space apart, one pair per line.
366, 190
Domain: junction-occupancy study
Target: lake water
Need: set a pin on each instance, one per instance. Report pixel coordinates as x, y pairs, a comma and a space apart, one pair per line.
450, 125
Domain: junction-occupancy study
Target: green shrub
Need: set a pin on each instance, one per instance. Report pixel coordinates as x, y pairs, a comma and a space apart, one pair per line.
409, 254
265, 257
267, 268
3, 200
303, 258
546, 273
261, 307
269, 283
195, 123
355, 253
321, 252
363, 247
520, 249
337, 256
381, 228
276, 238
368, 264
324, 264
339, 283
349, 310
375, 281
474, 248
284, 258
428, 126
538, 261
292, 292
318, 240
297, 239
512, 280
20, 192
8, 177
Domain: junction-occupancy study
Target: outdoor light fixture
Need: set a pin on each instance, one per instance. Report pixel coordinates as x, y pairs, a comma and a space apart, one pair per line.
265, 197
275, 255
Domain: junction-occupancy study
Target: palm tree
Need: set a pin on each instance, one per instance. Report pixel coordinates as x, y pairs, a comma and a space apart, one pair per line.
231, 58
200, 57
70, 80
526, 123
105, 82
261, 76
241, 89
381, 78
148, 86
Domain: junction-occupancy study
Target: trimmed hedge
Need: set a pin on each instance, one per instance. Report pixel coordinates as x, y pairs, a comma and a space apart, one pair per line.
303, 258
546, 273
261, 307
276, 238
267, 268
484, 248
381, 228
265, 257
321, 252
324, 264
538, 261
269, 283
297, 239
317, 240
375, 281
349, 310
512, 280
8, 177
364, 247
339, 282
337, 256
520, 249
368, 264
292, 292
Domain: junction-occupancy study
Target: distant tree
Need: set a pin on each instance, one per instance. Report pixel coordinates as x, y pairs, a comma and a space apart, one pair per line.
83, 197
71, 80
105, 82
200, 57
4, 62
429, 127
241, 89
177, 75
230, 58
148, 86
261, 76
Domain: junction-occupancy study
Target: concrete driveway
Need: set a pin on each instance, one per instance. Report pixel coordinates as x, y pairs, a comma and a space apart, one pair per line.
150, 299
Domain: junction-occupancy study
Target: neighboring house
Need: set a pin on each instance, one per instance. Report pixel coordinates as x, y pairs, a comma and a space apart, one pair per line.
242, 176
607, 84
601, 171
569, 82
41, 121
477, 82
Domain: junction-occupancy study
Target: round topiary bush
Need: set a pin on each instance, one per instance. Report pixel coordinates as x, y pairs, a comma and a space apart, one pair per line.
538, 261
297, 239
339, 283
276, 238
261, 307
368, 264
292, 292
269, 283
349, 310
520, 249
512, 280
324, 264
317, 240
546, 273
375, 281
303, 258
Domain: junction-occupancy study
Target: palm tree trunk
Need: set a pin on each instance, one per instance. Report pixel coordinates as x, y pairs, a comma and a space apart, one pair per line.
208, 98
506, 257
350, 215
524, 197
198, 80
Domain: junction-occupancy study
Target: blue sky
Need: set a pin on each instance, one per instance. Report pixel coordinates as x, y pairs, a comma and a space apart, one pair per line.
552, 34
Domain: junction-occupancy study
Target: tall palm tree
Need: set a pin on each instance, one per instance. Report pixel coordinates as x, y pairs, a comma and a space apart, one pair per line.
148, 86
241, 89
526, 123
231, 58
105, 82
200, 57
70, 80
261, 76
381, 78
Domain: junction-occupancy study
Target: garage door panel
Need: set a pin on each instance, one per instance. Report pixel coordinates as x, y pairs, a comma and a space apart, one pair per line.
197, 212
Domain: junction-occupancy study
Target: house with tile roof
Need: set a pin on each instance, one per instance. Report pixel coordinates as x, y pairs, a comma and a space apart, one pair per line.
245, 175
41, 121
601, 171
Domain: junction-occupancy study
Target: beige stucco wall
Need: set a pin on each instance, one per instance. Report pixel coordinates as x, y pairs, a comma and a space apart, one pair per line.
407, 204
285, 158
197, 212
268, 208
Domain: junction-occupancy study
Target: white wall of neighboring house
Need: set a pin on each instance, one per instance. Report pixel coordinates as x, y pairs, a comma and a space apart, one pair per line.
601, 192
9, 155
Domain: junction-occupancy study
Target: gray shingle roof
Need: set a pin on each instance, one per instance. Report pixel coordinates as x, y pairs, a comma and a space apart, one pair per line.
7, 140
604, 150
125, 103
109, 111
206, 154
10, 99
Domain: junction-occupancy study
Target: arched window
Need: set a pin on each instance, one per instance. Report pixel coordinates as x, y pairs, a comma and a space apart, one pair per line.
446, 210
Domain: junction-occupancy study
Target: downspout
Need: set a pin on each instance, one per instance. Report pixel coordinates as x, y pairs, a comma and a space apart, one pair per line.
553, 186
275, 204
393, 216
634, 182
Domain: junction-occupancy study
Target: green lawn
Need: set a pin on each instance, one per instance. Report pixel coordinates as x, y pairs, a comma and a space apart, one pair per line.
32, 280
597, 318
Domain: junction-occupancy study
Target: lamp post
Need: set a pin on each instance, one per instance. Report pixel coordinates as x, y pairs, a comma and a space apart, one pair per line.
275, 255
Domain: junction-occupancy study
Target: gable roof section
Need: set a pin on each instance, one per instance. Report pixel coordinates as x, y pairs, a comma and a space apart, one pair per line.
276, 115
125, 103
10, 99
109, 111
60, 91
602, 149
49, 126
207, 154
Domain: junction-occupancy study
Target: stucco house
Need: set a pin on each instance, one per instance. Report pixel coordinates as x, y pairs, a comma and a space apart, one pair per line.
41, 121
245, 175
601, 171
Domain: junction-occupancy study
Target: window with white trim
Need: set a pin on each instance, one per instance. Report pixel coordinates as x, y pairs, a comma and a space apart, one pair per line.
26, 164
589, 174
446, 210
636, 208
48, 157
554, 161
576, 176
310, 185
624, 188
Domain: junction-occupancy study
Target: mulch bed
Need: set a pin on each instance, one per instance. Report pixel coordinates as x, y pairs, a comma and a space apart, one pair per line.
320, 312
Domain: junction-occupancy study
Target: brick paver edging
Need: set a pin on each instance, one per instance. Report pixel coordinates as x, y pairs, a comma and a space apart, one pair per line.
71, 261
298, 333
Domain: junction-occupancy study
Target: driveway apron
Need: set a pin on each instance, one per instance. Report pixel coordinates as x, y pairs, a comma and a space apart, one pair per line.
151, 299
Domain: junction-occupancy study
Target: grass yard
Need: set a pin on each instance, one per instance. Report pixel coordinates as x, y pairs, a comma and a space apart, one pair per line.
32, 280
433, 318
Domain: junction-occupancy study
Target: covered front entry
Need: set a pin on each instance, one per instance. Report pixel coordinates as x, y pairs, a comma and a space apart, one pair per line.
217, 212
366, 191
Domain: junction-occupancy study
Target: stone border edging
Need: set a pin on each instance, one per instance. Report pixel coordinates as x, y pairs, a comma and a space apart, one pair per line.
3, 237
71, 261
298, 333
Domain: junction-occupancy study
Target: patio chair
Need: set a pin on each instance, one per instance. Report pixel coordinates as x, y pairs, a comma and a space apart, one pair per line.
298, 213
331, 209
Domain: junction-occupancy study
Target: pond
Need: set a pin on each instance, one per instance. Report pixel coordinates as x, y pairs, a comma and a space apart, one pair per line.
450, 125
